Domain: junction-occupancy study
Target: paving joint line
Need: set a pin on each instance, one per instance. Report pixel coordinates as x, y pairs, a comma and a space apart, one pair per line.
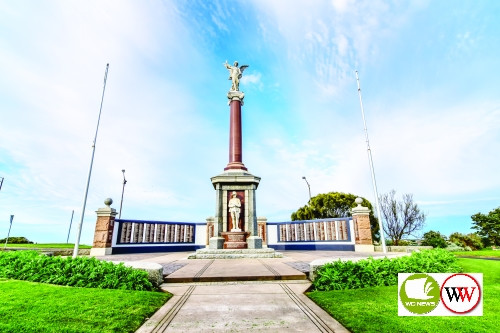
277, 275
315, 319
196, 278
167, 319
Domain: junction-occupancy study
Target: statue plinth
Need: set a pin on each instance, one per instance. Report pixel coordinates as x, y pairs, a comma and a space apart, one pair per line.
235, 240
235, 95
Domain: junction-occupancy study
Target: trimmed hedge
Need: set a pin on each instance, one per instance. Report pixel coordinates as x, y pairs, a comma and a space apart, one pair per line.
78, 272
371, 272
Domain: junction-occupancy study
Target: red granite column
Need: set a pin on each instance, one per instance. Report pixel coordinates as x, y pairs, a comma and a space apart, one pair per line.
235, 136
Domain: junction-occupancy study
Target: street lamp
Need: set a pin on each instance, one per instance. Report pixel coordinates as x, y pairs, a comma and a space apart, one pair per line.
309, 186
123, 190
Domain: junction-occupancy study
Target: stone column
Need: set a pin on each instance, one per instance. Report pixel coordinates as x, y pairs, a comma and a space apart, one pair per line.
362, 230
103, 235
210, 229
235, 136
262, 229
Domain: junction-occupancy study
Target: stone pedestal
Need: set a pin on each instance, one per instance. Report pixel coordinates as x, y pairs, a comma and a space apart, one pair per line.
103, 235
244, 184
235, 240
362, 229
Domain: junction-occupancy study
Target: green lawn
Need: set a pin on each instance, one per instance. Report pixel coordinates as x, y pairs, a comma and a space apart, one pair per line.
376, 309
48, 246
38, 307
480, 253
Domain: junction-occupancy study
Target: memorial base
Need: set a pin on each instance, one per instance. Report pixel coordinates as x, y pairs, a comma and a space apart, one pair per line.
235, 240
254, 242
216, 243
235, 254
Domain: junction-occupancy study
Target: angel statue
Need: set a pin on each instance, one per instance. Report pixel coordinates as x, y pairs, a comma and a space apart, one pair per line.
235, 74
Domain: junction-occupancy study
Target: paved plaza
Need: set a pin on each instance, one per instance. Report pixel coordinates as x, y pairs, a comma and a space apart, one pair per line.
240, 295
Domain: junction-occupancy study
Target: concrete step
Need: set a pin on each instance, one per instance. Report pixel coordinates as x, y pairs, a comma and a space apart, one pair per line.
224, 270
235, 253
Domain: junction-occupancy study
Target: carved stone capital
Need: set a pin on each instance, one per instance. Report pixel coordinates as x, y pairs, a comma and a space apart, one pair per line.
234, 95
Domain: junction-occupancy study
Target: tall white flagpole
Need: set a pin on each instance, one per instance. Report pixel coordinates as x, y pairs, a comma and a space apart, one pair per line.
382, 237
8, 234
79, 232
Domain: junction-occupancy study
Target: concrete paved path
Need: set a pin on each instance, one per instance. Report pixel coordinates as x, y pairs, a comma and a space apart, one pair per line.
240, 307
240, 295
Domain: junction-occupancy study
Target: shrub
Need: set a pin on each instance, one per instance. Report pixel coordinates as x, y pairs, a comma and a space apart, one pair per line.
16, 240
78, 272
371, 272
452, 247
434, 239
472, 240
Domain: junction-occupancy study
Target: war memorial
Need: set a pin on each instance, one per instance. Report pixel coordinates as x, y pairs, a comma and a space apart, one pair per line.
234, 231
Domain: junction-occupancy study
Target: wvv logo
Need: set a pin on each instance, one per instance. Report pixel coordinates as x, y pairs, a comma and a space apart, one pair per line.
460, 293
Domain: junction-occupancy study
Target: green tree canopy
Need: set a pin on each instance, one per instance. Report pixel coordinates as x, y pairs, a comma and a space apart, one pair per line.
488, 226
16, 240
472, 240
434, 239
334, 204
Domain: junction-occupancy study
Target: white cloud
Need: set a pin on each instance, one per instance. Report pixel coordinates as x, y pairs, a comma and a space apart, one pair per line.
252, 79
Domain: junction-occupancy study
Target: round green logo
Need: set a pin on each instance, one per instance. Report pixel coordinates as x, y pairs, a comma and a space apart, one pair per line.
419, 293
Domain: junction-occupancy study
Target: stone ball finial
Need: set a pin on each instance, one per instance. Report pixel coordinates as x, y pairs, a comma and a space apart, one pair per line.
108, 202
359, 201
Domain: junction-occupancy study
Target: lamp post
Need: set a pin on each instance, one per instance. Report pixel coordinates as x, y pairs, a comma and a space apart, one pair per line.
308, 186
123, 190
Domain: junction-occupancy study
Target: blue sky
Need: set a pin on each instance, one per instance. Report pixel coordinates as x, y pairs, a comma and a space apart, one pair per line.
429, 74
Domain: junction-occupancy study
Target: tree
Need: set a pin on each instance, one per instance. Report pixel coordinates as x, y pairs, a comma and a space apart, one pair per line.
334, 204
16, 240
488, 226
402, 218
472, 240
434, 239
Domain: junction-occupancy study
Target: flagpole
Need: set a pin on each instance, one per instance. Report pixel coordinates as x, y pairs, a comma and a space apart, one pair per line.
8, 234
382, 238
79, 232
70, 222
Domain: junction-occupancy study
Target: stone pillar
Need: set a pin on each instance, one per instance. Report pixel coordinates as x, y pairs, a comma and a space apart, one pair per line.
103, 235
210, 229
235, 135
262, 229
362, 230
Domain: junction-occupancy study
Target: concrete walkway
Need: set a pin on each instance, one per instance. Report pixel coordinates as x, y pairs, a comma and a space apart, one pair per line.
240, 307
239, 295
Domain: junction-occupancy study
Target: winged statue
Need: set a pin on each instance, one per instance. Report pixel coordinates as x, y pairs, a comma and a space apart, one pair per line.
235, 74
